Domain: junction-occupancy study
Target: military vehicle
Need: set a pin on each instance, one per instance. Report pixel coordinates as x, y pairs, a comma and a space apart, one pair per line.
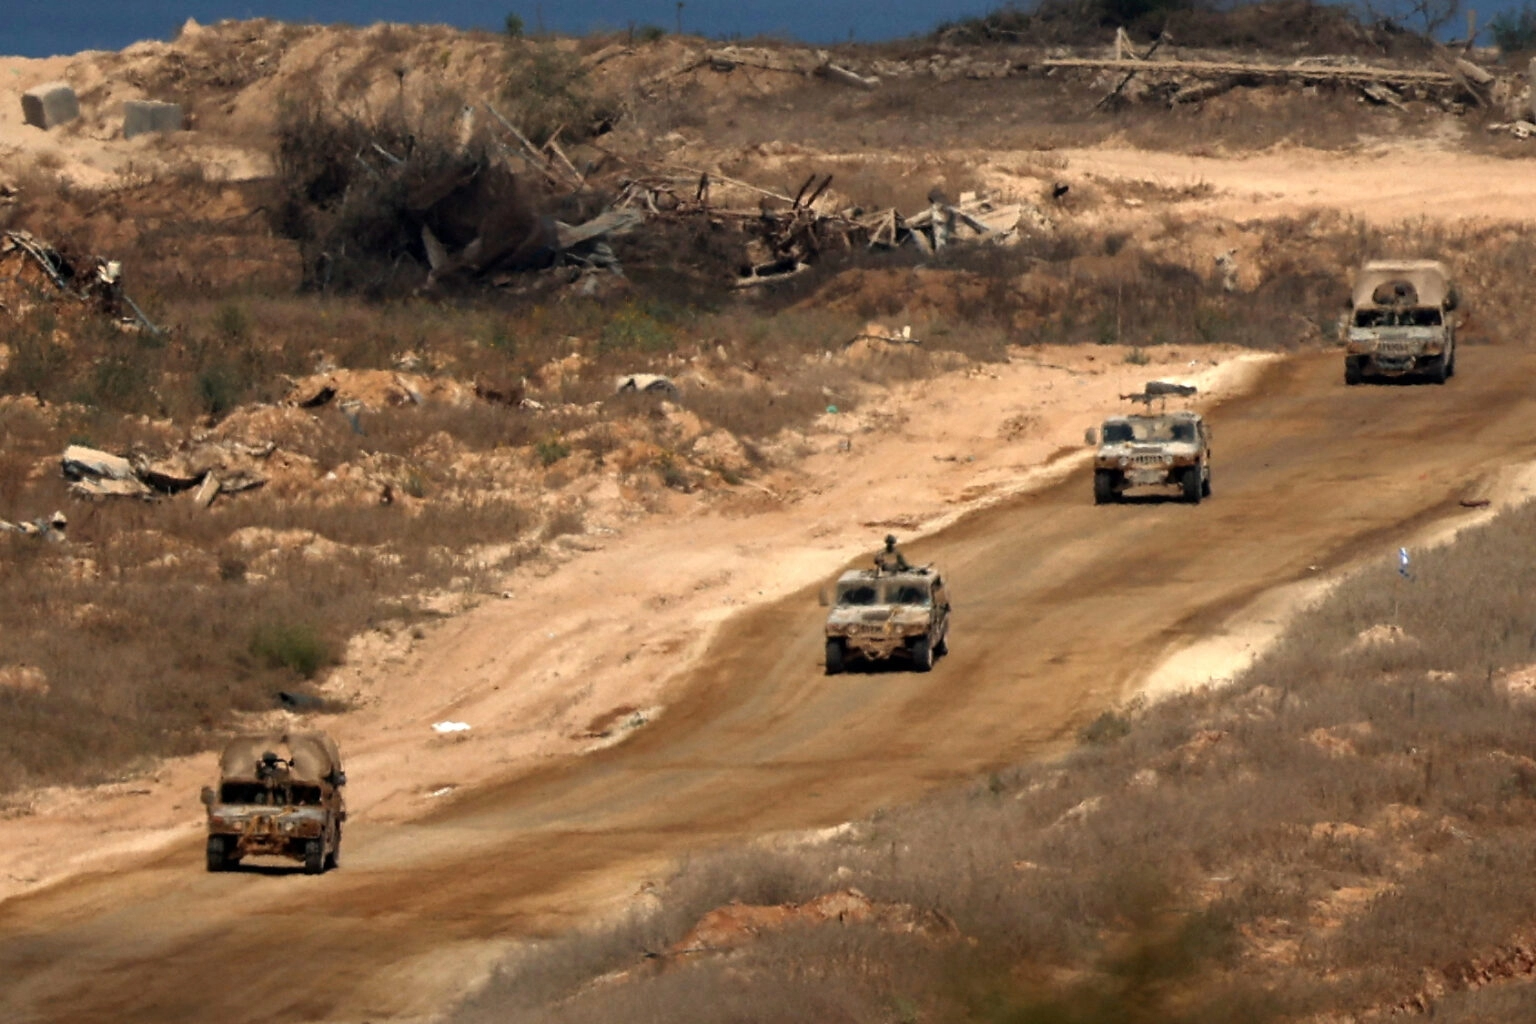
1400, 322
877, 615
278, 795
1162, 449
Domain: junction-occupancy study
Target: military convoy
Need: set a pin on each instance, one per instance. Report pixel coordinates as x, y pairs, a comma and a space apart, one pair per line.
878, 615
1162, 449
1400, 322
278, 795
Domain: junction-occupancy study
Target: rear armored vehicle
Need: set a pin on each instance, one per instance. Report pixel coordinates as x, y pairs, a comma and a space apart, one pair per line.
878, 615
1162, 449
278, 795
1400, 322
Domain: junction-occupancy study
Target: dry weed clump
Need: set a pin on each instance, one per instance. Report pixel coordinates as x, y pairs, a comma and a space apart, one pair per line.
1342, 830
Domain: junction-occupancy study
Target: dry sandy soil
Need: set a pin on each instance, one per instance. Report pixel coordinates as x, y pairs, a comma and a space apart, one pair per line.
657, 690
1062, 608
600, 634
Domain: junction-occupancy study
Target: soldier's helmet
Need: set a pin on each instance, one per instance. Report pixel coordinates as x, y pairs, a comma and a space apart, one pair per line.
890, 540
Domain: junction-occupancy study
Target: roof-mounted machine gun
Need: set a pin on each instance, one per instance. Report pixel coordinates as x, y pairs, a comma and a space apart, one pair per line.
1160, 391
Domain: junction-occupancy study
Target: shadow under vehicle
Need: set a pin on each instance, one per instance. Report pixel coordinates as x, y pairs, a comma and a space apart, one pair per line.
278, 795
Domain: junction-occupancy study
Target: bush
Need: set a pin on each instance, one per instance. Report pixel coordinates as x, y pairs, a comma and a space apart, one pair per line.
513, 26
1514, 31
546, 90
296, 646
551, 451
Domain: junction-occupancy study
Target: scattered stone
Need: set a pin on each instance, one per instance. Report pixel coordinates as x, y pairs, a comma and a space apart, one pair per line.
149, 117
49, 105
1381, 635
738, 924
649, 383
23, 679
1079, 813
81, 462
1519, 682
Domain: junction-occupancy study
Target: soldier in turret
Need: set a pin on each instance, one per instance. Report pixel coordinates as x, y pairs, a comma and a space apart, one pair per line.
890, 560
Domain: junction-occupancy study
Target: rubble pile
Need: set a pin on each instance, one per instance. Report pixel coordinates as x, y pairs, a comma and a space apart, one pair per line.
781, 240
32, 271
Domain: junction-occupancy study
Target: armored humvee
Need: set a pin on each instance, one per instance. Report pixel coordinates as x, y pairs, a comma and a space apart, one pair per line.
1400, 322
1154, 449
878, 616
278, 795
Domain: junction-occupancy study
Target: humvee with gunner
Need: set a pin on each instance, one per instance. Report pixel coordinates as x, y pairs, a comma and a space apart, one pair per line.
886, 613
278, 795
1162, 449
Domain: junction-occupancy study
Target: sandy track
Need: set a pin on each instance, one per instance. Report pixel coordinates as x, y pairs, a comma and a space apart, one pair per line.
1060, 607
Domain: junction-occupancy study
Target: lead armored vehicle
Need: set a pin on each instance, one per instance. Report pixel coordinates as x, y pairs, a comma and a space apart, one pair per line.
278, 795
1400, 322
1162, 449
877, 615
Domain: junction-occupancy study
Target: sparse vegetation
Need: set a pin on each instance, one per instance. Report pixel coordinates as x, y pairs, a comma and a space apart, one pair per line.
1514, 30
1362, 803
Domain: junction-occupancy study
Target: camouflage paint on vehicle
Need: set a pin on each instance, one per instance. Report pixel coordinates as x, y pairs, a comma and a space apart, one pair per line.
878, 616
278, 795
1153, 450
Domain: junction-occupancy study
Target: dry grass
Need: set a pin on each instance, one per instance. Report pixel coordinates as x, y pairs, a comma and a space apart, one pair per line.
1160, 867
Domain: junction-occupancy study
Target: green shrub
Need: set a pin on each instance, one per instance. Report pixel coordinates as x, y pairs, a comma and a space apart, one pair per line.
219, 389
292, 645
232, 322
545, 90
513, 26
1514, 31
551, 451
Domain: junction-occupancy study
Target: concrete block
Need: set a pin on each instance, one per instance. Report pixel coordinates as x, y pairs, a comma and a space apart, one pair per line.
141, 117
47, 106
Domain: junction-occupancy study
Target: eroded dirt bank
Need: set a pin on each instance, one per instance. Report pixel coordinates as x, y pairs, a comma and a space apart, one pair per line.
1061, 607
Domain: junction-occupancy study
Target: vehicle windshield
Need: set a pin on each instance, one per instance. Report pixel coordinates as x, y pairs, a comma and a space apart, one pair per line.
1398, 317
892, 592
1148, 431
258, 795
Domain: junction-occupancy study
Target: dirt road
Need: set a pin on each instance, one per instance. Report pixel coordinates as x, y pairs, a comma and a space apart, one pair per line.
1059, 606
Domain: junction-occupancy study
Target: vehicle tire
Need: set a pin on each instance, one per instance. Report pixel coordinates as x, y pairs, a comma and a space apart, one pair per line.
1192, 485
1450, 362
333, 859
314, 856
942, 647
1354, 373
1436, 372
1103, 486
1205, 485
218, 854
836, 656
922, 655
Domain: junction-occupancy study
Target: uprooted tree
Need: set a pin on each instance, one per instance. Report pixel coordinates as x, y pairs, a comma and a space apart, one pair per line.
367, 198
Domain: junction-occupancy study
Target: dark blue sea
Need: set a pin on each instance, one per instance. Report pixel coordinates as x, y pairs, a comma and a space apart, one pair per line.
39, 28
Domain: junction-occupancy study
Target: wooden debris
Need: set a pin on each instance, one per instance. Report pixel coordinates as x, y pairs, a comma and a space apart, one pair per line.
1190, 81
1350, 73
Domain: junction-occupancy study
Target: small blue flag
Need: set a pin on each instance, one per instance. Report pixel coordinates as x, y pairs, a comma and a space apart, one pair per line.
1402, 564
